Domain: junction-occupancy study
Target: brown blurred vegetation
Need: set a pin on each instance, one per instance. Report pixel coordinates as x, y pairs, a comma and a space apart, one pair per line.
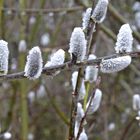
48, 104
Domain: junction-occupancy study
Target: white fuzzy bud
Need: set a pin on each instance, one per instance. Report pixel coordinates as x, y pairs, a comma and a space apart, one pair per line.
80, 112
100, 11
4, 55
78, 44
31, 96
136, 6
45, 39
137, 19
7, 135
86, 18
57, 58
91, 72
83, 136
76, 128
34, 64
22, 46
82, 91
136, 102
124, 39
95, 103
115, 64
32, 20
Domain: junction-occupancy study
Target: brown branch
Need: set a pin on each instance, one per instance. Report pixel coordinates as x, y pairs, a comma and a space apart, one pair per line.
89, 36
74, 105
40, 11
127, 128
83, 119
67, 66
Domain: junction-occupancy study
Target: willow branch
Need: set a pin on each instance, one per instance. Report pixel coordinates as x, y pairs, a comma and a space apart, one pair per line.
127, 128
86, 112
49, 71
41, 11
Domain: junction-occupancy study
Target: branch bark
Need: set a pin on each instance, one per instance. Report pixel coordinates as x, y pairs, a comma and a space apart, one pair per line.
68, 66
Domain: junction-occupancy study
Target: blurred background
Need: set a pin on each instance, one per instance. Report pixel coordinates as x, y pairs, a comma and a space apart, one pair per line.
40, 109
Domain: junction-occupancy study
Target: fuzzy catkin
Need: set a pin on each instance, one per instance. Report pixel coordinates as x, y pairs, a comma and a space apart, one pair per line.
91, 72
80, 112
115, 64
99, 13
34, 64
95, 103
124, 39
86, 18
82, 91
136, 102
77, 44
22, 46
83, 136
57, 58
4, 55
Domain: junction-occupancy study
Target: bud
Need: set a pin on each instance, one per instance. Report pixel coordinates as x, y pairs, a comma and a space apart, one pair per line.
80, 112
137, 20
4, 55
115, 64
82, 91
22, 46
86, 18
136, 102
57, 58
7, 135
33, 67
91, 72
78, 44
76, 128
45, 39
100, 10
83, 136
124, 39
95, 102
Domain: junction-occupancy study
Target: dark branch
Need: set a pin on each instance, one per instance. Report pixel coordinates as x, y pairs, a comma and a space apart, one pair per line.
67, 66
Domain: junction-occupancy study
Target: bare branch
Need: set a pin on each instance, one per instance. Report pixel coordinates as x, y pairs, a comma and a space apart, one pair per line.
83, 119
41, 11
67, 66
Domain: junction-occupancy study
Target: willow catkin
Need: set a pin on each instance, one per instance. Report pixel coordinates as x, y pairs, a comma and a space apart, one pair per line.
99, 13
91, 72
136, 102
115, 64
95, 103
124, 39
56, 58
4, 55
77, 44
34, 64
86, 18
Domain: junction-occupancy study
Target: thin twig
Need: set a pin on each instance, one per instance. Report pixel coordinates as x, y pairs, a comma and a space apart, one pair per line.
127, 128
83, 119
40, 11
68, 66
74, 105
